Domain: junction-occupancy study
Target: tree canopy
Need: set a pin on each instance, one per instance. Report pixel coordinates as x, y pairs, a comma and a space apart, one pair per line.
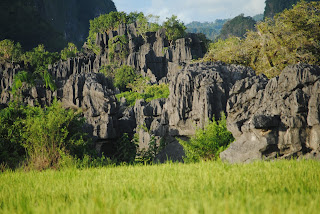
293, 36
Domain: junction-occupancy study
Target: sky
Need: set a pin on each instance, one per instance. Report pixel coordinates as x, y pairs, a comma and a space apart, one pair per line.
193, 10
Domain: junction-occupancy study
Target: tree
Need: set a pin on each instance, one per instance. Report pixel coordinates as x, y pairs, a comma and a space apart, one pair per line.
9, 51
174, 28
69, 51
124, 76
291, 37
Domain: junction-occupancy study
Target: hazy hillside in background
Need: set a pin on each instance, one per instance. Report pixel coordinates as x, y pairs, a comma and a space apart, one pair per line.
210, 29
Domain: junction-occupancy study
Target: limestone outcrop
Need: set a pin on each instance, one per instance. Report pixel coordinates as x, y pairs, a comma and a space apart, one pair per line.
278, 118
197, 93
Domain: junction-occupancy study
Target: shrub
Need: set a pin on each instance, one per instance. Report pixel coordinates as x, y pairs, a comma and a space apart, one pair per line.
70, 51
148, 155
209, 142
48, 136
124, 76
118, 47
148, 93
9, 51
126, 149
12, 153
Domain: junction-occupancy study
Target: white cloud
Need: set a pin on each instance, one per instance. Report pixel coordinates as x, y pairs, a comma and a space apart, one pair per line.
191, 10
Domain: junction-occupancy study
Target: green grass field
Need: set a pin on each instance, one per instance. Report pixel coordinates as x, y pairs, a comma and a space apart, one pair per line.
206, 187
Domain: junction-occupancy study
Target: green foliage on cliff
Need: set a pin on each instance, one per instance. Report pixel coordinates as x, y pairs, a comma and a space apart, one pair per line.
36, 64
105, 23
10, 51
209, 142
175, 29
118, 48
146, 92
237, 26
124, 76
111, 21
293, 36
40, 137
70, 51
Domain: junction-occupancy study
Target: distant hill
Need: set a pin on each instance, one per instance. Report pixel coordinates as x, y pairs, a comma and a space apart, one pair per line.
50, 22
237, 26
276, 6
210, 29
258, 17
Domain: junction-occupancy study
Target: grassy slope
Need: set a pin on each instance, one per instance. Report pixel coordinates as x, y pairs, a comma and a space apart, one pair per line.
208, 187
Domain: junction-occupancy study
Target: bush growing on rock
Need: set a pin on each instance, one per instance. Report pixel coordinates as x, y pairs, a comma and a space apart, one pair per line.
146, 92
10, 51
69, 51
209, 142
124, 76
175, 29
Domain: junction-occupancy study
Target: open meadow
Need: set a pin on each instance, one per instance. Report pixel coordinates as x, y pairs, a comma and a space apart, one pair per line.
206, 187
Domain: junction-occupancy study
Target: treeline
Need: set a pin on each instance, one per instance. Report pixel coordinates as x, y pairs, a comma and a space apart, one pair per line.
210, 29
291, 37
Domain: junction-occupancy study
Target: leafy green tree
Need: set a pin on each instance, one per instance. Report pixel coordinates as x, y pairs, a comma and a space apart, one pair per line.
291, 37
37, 61
175, 29
9, 51
126, 150
105, 23
124, 76
41, 137
209, 142
70, 51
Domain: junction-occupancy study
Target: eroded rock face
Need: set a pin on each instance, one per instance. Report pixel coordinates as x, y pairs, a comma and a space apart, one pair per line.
197, 93
151, 54
278, 118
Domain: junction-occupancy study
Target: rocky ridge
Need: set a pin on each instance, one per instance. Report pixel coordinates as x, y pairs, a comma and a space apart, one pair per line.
278, 118
275, 118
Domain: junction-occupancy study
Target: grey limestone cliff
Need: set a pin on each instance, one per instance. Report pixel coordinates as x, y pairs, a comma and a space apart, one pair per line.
278, 118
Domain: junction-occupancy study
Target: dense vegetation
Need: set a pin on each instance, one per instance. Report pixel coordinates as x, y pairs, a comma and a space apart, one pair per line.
210, 29
291, 37
277, 6
147, 92
205, 187
209, 142
237, 26
41, 138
